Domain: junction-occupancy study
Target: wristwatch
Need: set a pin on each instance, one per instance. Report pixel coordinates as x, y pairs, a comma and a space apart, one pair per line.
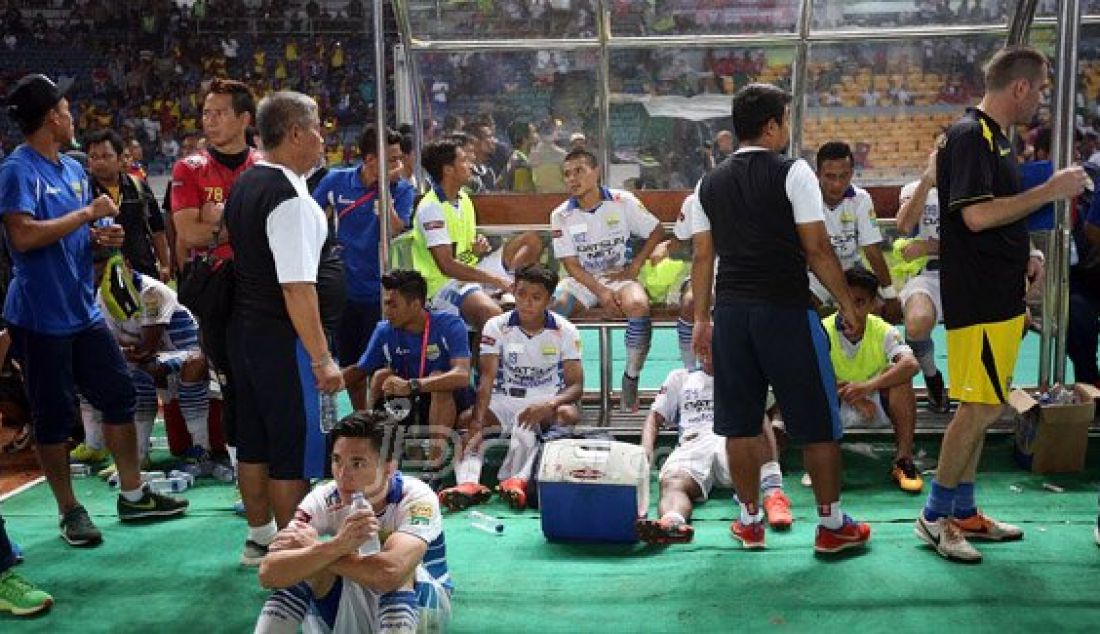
414, 387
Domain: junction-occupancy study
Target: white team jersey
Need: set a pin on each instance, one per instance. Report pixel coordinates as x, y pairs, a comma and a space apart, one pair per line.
598, 237
159, 307
929, 226
852, 225
692, 219
412, 508
687, 398
530, 366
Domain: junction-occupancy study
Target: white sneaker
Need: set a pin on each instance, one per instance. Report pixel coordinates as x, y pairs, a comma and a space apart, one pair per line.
947, 539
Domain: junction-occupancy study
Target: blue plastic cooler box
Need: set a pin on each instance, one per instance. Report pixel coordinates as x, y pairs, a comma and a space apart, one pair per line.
592, 490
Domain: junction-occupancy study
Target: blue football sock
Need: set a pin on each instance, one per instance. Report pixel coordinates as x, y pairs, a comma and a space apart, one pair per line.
964, 501
941, 501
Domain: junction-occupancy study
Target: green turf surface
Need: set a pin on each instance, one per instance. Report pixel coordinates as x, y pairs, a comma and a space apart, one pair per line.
182, 575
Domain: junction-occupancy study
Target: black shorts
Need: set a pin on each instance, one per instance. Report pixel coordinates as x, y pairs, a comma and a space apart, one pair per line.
357, 323
276, 404
56, 367
758, 344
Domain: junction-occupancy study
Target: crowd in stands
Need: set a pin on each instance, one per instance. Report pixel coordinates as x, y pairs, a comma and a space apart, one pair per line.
146, 77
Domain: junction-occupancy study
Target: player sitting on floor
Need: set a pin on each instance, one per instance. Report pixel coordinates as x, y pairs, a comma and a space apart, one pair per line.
160, 340
531, 379
876, 367
699, 460
332, 586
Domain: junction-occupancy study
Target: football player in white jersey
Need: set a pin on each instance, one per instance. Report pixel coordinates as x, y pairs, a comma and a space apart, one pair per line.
850, 221
591, 232
160, 340
699, 461
531, 379
330, 585
920, 297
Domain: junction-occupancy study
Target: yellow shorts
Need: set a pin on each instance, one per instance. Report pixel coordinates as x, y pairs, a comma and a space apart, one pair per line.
981, 359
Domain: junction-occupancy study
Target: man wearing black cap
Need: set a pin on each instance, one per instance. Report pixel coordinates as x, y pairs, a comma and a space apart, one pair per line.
58, 333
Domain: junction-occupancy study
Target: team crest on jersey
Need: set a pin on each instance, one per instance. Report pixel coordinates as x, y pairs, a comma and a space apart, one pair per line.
613, 220
332, 500
420, 514
847, 216
432, 351
78, 188
549, 351
151, 303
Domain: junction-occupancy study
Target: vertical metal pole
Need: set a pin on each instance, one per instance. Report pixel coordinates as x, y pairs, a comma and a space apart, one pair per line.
1069, 27
383, 198
603, 98
799, 75
401, 14
605, 374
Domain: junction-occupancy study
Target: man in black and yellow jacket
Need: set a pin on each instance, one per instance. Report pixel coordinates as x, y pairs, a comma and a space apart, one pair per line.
145, 246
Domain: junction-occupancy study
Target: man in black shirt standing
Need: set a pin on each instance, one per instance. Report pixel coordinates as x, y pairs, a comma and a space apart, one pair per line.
289, 293
767, 224
984, 251
145, 245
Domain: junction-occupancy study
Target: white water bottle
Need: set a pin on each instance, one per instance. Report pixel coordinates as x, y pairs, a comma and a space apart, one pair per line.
373, 545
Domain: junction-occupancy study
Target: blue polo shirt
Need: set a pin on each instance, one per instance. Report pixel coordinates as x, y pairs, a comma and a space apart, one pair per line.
51, 290
399, 350
357, 227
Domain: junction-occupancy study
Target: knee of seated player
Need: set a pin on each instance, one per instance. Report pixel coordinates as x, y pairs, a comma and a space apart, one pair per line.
477, 309
378, 378
678, 481
194, 368
568, 414
529, 240
919, 320
901, 400
634, 301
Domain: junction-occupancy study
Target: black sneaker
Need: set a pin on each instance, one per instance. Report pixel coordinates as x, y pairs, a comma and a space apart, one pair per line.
253, 554
78, 530
151, 505
937, 394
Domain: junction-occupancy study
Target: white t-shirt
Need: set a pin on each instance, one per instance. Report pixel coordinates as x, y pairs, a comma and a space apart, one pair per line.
598, 237
535, 364
296, 233
687, 398
159, 307
852, 225
692, 218
929, 226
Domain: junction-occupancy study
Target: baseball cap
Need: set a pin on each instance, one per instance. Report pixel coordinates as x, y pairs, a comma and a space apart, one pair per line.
34, 95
